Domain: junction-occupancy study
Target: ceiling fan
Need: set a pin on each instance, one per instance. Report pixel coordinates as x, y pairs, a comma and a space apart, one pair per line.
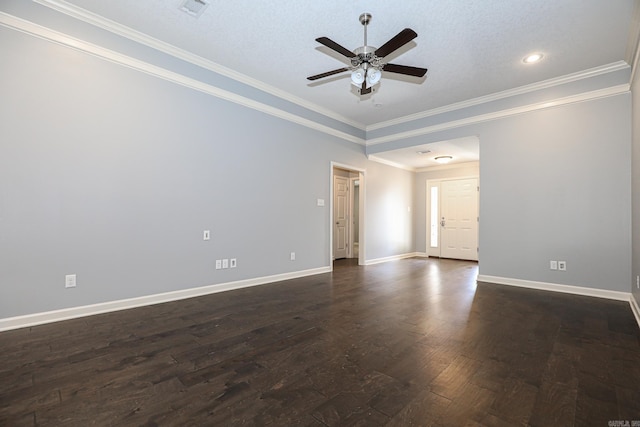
367, 62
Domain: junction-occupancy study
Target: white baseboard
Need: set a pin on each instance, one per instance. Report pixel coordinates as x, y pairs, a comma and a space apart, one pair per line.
635, 308
89, 310
567, 289
391, 258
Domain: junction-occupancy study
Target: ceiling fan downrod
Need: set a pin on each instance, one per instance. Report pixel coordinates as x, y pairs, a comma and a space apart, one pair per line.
367, 67
365, 18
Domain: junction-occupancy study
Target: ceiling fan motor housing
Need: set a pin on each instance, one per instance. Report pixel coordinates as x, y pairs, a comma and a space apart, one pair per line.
366, 54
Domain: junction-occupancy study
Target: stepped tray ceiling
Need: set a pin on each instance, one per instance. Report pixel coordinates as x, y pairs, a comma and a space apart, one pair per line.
472, 48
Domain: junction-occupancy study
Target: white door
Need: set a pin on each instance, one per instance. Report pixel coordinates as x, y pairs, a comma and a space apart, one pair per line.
340, 216
459, 219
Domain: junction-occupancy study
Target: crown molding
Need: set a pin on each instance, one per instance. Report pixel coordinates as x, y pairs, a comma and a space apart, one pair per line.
113, 27
593, 72
377, 159
586, 96
144, 39
48, 34
448, 167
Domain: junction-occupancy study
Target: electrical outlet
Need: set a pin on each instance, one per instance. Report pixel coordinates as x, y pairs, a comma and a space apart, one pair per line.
206, 235
225, 263
553, 265
293, 256
233, 263
218, 264
70, 281
562, 265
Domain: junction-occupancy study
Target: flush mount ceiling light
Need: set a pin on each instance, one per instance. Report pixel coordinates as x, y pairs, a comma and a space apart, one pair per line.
194, 7
532, 58
443, 159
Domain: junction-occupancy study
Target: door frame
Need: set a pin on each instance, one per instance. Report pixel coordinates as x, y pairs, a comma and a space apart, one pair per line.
435, 252
361, 210
352, 195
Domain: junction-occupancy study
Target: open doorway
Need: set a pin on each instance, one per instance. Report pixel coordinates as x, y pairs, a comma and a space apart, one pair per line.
347, 213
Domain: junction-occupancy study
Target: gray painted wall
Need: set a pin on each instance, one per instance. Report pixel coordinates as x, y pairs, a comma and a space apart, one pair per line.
635, 90
113, 175
555, 185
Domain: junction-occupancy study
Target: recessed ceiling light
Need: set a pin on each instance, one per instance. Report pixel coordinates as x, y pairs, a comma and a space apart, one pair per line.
377, 105
443, 159
533, 58
424, 151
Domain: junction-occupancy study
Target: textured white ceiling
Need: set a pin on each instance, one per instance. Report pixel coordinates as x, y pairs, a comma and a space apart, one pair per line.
472, 48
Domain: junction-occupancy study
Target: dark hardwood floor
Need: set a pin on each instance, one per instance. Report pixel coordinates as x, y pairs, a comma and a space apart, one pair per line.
412, 342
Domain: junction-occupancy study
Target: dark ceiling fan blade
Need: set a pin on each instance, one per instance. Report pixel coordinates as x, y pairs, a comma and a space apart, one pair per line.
400, 39
327, 74
364, 90
335, 46
405, 69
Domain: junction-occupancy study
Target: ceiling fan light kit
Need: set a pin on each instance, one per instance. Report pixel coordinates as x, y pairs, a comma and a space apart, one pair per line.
367, 62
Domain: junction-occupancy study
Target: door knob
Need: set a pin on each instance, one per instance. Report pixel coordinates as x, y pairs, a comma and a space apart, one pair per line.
442, 222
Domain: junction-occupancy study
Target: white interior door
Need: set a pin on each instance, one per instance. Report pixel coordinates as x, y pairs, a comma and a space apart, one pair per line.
340, 216
459, 219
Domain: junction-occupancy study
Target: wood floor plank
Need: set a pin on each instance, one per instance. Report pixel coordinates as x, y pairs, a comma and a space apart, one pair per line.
413, 342
555, 404
453, 381
424, 410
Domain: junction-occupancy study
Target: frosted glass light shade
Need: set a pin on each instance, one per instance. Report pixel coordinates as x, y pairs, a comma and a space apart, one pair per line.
357, 77
373, 76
